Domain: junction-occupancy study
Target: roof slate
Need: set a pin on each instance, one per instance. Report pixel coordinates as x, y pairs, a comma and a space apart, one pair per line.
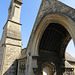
68, 65
69, 57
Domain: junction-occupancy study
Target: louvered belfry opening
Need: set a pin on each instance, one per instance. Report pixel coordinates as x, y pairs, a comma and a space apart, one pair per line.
50, 46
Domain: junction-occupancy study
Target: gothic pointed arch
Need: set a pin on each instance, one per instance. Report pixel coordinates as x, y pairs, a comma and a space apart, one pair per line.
53, 29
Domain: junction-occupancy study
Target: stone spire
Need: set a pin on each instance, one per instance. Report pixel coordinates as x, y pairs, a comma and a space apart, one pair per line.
11, 39
14, 10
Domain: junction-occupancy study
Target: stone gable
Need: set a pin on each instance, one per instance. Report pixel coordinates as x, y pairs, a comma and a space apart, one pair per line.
50, 7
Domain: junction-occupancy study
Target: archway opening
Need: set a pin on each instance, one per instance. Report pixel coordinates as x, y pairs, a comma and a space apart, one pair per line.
70, 49
49, 69
46, 70
52, 46
70, 58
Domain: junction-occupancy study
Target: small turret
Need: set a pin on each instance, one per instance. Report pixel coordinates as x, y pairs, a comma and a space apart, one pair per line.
14, 10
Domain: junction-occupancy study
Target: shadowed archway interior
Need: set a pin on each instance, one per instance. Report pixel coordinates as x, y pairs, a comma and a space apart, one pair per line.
53, 45
53, 38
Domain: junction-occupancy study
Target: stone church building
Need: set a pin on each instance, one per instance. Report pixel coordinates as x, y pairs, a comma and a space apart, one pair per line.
53, 29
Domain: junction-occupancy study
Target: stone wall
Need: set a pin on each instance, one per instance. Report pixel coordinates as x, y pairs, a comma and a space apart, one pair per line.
22, 66
22, 62
2, 48
1, 57
13, 69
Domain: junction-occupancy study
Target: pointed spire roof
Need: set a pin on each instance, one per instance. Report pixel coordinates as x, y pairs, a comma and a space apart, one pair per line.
18, 1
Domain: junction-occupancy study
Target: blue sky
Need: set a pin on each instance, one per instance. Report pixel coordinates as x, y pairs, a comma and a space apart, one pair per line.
28, 15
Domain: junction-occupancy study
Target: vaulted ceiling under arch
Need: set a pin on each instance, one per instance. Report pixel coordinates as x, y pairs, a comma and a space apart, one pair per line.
53, 38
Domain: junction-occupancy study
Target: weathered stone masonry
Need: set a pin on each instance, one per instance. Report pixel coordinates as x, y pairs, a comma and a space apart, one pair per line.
53, 29
10, 49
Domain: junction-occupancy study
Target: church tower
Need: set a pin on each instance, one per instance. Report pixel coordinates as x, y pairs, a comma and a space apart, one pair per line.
11, 40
